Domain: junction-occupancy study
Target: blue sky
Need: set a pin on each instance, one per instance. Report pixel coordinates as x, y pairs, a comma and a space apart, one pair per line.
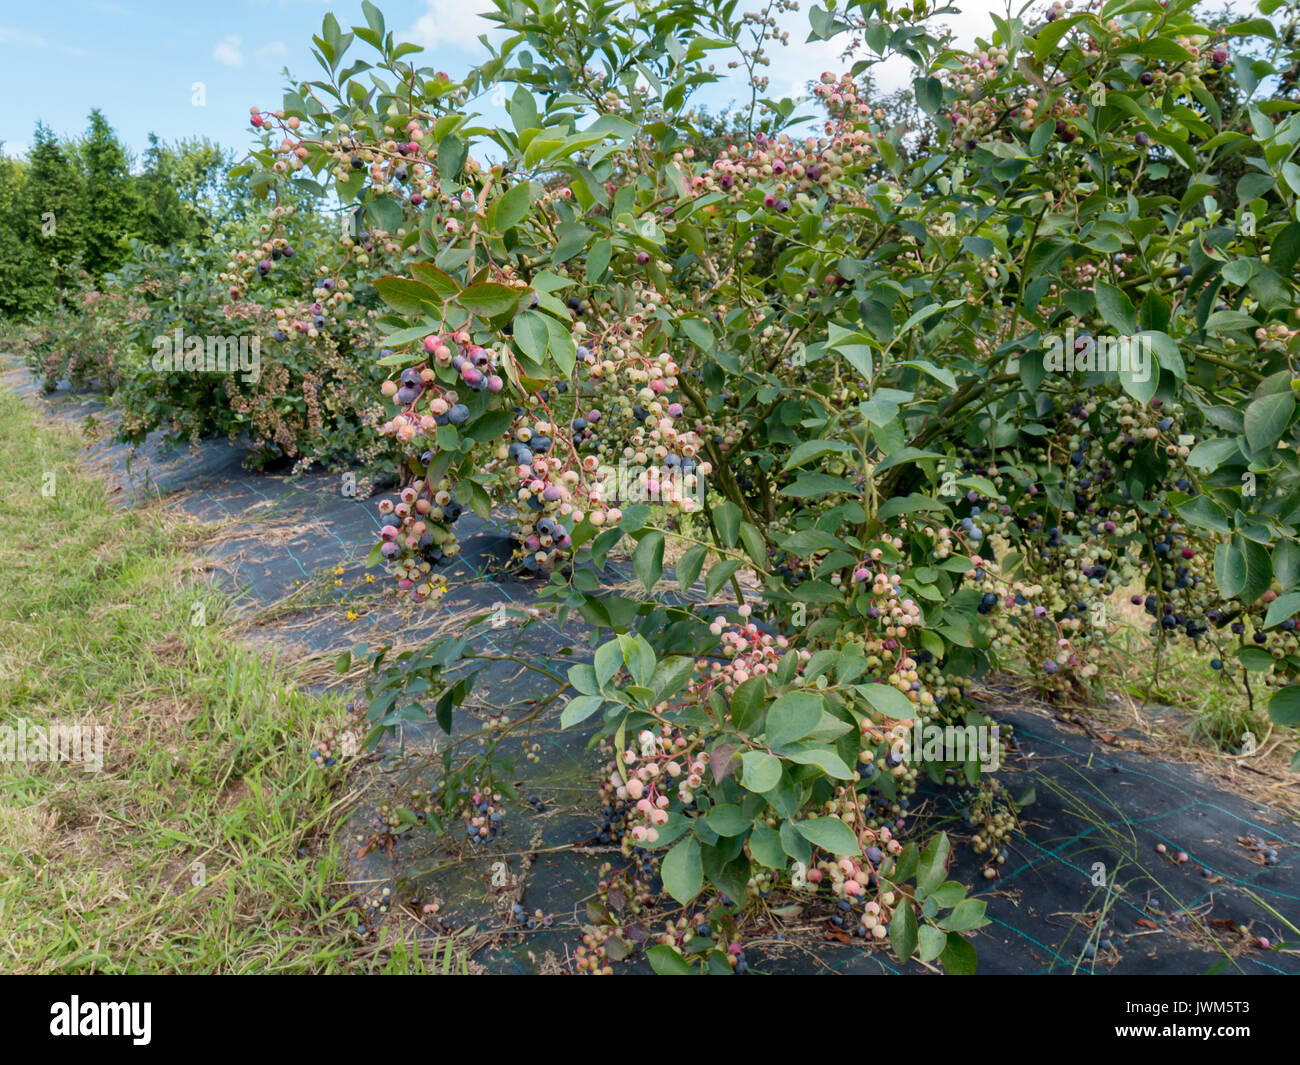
139, 60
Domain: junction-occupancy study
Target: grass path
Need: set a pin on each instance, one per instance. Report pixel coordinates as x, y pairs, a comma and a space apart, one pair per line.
204, 842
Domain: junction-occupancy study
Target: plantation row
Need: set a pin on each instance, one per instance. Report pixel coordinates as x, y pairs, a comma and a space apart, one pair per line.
904, 403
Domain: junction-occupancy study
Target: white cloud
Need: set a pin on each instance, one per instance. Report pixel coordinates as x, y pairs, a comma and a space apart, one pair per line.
272, 50
451, 23
230, 52
24, 39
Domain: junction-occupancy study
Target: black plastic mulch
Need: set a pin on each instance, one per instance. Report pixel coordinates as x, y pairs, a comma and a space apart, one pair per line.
306, 540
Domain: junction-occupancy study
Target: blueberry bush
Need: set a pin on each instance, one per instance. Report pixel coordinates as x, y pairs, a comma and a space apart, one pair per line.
873, 409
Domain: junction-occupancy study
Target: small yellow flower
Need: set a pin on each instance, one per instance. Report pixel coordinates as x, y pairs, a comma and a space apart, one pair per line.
351, 616
370, 579
338, 584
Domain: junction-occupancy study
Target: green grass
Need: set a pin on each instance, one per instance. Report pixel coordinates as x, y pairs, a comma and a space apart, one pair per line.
205, 753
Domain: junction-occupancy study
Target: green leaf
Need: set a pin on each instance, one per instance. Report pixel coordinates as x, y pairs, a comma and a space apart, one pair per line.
1284, 707
1285, 252
934, 940
1205, 514
816, 485
830, 834
598, 260
1255, 659
968, 914
719, 574
1137, 383
648, 558
958, 957
930, 873
752, 540
1116, 308
811, 449
1211, 454
765, 846
759, 771
1229, 570
902, 930
442, 283
887, 700
698, 333
1282, 608
792, 717
820, 755
689, 565
409, 297
583, 678
1050, 36
1259, 568
667, 962
728, 820
532, 335
1286, 564
682, 873
1267, 418
726, 519
747, 702
928, 93
670, 676
579, 709
561, 345
451, 157
488, 300
609, 660
510, 209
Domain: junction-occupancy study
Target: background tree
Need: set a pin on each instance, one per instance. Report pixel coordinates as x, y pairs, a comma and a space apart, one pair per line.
183, 190
51, 217
110, 207
17, 296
